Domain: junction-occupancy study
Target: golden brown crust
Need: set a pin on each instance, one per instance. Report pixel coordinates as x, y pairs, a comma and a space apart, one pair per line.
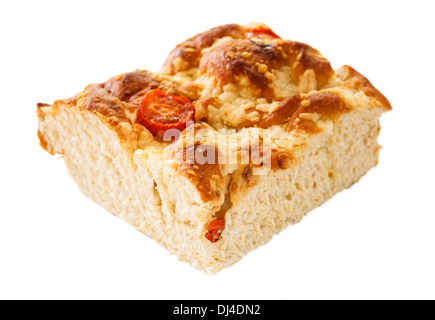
129, 84
303, 57
42, 105
189, 52
234, 59
103, 102
228, 62
286, 109
131, 87
356, 81
325, 104
206, 177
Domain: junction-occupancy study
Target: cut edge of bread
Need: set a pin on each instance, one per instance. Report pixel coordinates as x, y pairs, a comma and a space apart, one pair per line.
141, 188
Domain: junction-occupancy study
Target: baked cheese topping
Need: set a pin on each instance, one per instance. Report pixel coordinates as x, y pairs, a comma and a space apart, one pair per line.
266, 93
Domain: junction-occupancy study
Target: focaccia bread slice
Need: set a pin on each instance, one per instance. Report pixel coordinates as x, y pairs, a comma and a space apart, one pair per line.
274, 133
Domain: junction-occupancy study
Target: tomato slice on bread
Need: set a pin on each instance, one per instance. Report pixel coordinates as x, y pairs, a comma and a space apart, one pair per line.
261, 32
215, 230
159, 112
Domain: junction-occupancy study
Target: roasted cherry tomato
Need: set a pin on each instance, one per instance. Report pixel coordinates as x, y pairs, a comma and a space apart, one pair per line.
159, 112
215, 230
260, 33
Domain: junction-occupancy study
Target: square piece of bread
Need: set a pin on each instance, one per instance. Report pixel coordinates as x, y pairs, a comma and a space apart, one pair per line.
274, 132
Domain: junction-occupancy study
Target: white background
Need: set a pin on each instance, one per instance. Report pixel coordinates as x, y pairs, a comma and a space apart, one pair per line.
374, 241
